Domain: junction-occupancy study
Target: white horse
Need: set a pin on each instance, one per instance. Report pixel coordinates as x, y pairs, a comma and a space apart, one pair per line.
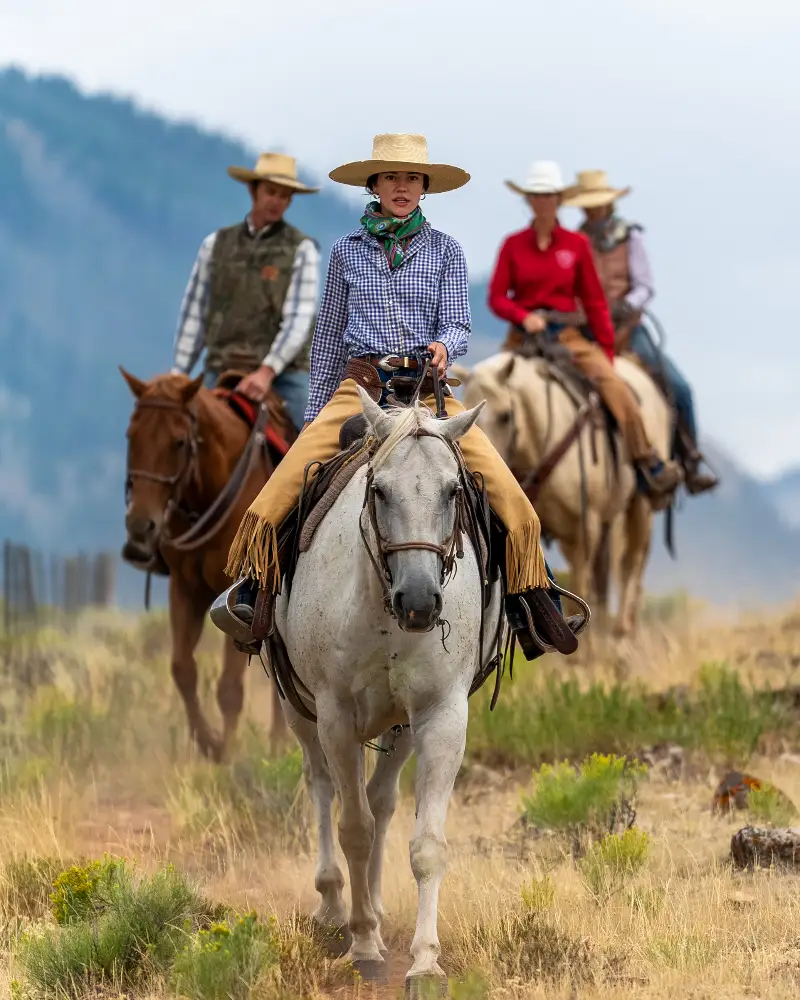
362, 675
524, 417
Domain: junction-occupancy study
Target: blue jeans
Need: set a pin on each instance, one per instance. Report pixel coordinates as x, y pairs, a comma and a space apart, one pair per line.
644, 348
291, 386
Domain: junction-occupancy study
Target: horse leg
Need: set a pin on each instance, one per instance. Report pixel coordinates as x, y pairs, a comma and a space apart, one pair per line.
230, 691
345, 757
639, 528
382, 791
439, 740
186, 615
331, 914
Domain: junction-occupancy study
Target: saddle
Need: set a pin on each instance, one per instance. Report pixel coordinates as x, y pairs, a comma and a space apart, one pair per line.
559, 367
280, 433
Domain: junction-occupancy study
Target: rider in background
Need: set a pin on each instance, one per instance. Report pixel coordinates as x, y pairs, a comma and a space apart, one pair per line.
547, 267
624, 269
252, 294
396, 290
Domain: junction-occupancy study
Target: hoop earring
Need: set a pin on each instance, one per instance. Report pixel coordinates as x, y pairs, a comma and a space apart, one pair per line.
422, 198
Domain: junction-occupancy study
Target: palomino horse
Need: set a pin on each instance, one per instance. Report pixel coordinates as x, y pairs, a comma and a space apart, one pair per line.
525, 416
385, 545
184, 445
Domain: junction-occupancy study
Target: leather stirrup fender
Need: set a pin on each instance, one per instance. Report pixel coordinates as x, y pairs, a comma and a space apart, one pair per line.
264, 615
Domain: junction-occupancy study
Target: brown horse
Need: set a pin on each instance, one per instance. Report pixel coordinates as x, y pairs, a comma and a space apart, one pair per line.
187, 491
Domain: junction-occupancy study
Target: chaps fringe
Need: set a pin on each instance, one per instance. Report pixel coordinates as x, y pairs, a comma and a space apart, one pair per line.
525, 565
254, 553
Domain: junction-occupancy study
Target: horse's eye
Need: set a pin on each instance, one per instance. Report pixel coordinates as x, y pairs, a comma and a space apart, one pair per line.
378, 493
504, 417
454, 491
180, 443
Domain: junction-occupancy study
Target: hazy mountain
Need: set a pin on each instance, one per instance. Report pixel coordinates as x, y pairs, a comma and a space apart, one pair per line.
784, 493
102, 208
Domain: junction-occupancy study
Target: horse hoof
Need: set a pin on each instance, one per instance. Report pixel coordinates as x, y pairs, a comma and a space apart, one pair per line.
336, 940
427, 986
371, 971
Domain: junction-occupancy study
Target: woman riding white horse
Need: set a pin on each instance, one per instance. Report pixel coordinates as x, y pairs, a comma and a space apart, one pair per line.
397, 288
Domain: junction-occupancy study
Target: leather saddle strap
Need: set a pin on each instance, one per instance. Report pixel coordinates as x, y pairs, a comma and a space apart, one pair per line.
533, 482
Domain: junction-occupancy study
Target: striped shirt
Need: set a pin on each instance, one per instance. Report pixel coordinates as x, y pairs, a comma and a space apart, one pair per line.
367, 308
298, 308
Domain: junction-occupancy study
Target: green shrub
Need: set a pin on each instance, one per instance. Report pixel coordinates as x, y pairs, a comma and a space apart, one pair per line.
584, 800
82, 892
770, 806
120, 930
730, 718
608, 864
227, 961
538, 894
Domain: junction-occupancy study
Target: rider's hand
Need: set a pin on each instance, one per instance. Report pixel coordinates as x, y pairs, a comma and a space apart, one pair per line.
439, 352
533, 323
257, 384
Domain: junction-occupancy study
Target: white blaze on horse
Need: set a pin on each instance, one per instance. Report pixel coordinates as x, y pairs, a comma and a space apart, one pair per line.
526, 414
386, 544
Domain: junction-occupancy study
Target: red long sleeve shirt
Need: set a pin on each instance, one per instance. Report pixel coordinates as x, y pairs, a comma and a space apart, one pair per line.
527, 278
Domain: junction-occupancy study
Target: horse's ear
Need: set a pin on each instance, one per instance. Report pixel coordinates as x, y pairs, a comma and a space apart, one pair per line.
455, 427
461, 372
506, 368
376, 418
135, 384
188, 392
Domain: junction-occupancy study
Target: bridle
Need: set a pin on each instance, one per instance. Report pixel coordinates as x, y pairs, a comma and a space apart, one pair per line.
448, 551
181, 479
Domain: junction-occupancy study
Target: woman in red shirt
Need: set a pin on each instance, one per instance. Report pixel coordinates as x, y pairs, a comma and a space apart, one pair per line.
546, 267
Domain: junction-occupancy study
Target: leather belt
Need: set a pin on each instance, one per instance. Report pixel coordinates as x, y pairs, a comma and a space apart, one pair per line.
390, 362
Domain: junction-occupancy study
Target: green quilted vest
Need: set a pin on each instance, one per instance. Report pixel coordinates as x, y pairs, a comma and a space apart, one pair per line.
249, 281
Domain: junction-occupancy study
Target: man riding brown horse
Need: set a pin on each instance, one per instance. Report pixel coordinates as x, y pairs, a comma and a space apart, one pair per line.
252, 295
624, 270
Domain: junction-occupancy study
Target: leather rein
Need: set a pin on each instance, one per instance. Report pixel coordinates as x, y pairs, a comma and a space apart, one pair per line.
206, 525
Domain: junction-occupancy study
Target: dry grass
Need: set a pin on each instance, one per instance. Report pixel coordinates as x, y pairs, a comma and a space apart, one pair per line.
96, 759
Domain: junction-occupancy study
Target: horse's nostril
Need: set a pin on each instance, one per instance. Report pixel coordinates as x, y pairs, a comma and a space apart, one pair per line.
141, 528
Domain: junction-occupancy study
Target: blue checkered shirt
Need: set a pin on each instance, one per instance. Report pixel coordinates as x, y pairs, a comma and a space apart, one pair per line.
367, 308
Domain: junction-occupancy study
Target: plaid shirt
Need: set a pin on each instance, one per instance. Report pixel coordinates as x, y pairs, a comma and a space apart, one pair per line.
367, 308
298, 307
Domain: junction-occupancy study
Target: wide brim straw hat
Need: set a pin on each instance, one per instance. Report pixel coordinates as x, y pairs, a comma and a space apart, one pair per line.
407, 152
544, 177
275, 167
593, 191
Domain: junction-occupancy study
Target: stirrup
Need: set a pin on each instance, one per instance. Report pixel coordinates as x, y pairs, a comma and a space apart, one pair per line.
222, 615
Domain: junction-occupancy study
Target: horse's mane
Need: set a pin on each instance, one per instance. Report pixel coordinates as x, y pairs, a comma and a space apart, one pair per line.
407, 422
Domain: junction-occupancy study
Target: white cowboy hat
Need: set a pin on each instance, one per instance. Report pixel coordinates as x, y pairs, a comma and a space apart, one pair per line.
544, 177
593, 191
401, 152
275, 167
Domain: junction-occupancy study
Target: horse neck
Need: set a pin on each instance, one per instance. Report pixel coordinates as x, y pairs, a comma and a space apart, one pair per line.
221, 439
540, 413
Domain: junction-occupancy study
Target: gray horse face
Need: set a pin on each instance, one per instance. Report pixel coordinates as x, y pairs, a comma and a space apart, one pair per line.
415, 501
416, 488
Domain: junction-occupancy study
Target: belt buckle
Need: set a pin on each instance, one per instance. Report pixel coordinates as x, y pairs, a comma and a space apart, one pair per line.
385, 363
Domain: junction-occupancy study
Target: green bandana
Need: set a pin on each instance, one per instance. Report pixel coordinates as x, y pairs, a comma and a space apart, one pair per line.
394, 234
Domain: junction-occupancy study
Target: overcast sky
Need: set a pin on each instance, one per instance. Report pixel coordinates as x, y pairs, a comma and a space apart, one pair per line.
694, 104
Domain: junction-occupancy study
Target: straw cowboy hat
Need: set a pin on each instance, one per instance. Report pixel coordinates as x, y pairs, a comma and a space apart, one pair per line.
544, 177
593, 191
273, 167
401, 152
